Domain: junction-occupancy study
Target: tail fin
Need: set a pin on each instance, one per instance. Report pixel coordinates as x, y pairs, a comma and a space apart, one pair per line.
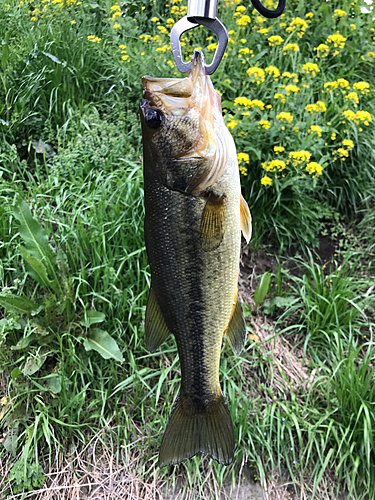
207, 429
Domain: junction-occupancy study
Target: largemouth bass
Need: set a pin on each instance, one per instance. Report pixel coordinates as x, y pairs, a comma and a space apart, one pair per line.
194, 216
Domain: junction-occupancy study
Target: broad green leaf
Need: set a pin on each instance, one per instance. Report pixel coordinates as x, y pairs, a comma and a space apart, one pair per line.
40, 271
23, 343
246, 310
53, 383
92, 317
100, 341
262, 288
15, 373
36, 240
33, 364
32, 232
21, 305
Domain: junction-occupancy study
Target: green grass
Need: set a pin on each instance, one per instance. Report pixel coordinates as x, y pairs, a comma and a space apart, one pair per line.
301, 398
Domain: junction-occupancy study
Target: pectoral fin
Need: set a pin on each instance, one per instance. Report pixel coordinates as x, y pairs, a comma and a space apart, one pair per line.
213, 222
236, 331
245, 219
156, 329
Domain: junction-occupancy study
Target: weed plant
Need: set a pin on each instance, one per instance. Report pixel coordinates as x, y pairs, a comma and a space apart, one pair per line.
297, 95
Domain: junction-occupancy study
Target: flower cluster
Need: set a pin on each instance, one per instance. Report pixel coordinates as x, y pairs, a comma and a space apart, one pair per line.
93, 38
292, 47
315, 108
316, 129
298, 157
360, 116
283, 116
257, 74
314, 168
272, 70
248, 103
311, 68
337, 40
322, 50
275, 40
274, 165
243, 158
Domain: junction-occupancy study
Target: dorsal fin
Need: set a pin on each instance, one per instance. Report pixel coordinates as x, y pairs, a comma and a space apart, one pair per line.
245, 219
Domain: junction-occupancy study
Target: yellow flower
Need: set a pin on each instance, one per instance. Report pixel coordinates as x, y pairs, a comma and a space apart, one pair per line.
115, 7
279, 96
243, 21
278, 149
125, 57
243, 157
315, 128
315, 108
311, 68
339, 13
163, 30
371, 54
240, 8
93, 38
274, 165
309, 14
348, 143
73, 22
275, 40
292, 76
353, 26
349, 115
363, 116
283, 116
244, 51
264, 31
265, 124
292, 88
292, 47
266, 181
343, 83
364, 87
243, 40
154, 19
299, 156
243, 170
257, 74
212, 46
352, 96
314, 168
122, 47
333, 136
272, 70
337, 40
115, 26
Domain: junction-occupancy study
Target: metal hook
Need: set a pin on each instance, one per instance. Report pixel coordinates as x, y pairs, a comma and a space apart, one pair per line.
185, 24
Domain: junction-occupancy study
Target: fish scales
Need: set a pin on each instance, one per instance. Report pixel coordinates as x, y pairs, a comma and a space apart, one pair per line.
192, 230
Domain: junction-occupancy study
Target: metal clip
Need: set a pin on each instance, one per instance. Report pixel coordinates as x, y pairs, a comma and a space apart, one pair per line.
202, 13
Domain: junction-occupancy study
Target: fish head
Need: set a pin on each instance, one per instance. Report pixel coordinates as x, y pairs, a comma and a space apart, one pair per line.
181, 122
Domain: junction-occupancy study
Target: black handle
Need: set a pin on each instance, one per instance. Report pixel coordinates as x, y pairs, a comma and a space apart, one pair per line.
269, 13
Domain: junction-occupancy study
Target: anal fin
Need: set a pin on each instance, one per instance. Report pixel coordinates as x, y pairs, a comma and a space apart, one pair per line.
245, 215
156, 329
236, 330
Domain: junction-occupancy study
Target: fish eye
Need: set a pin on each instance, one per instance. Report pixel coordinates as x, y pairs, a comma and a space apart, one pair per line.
154, 118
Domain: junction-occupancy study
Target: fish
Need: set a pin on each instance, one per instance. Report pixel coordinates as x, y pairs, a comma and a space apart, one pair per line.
194, 215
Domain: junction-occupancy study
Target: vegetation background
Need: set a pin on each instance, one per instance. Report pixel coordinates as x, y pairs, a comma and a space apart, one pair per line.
82, 403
